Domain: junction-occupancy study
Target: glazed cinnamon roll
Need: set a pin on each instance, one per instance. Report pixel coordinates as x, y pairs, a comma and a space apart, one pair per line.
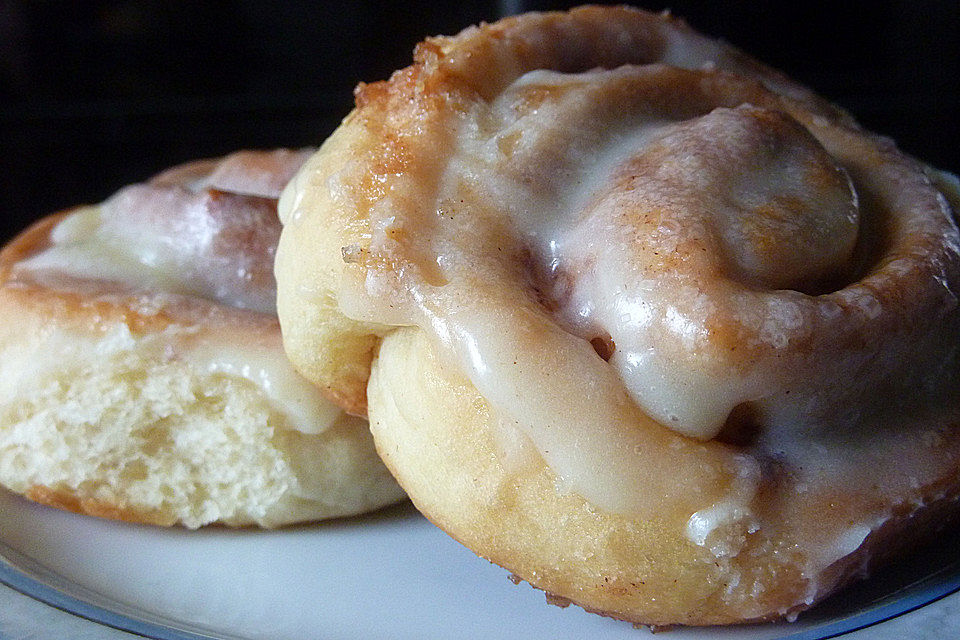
142, 375
634, 316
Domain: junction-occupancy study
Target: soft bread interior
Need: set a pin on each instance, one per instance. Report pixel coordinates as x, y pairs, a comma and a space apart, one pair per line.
116, 424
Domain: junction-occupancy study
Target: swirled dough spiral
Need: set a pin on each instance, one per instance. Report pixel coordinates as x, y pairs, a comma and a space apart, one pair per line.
142, 375
644, 317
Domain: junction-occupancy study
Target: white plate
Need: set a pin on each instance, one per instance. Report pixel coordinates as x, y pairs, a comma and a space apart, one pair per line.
389, 575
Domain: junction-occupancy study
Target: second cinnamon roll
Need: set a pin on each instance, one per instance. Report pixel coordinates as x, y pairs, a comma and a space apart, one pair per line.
143, 376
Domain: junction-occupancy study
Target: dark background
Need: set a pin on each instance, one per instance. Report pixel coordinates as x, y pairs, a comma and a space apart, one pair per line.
94, 95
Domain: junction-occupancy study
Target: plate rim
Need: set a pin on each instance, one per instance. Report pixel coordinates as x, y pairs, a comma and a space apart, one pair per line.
30, 577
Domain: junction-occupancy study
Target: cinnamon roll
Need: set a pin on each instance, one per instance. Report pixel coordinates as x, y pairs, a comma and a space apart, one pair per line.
142, 375
634, 316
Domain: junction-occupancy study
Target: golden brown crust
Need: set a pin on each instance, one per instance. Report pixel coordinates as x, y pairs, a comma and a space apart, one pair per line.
70, 501
34, 238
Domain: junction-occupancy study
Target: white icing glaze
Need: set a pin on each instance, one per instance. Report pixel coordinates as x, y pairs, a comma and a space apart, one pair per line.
207, 228
307, 410
731, 511
169, 239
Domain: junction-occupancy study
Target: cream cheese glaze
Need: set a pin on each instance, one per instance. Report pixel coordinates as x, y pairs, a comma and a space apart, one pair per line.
698, 245
749, 260
305, 407
206, 230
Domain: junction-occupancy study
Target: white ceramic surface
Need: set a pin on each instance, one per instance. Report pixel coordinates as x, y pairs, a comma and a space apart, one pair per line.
391, 575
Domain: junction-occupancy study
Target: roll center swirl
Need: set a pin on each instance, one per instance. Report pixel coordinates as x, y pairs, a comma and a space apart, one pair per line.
750, 186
